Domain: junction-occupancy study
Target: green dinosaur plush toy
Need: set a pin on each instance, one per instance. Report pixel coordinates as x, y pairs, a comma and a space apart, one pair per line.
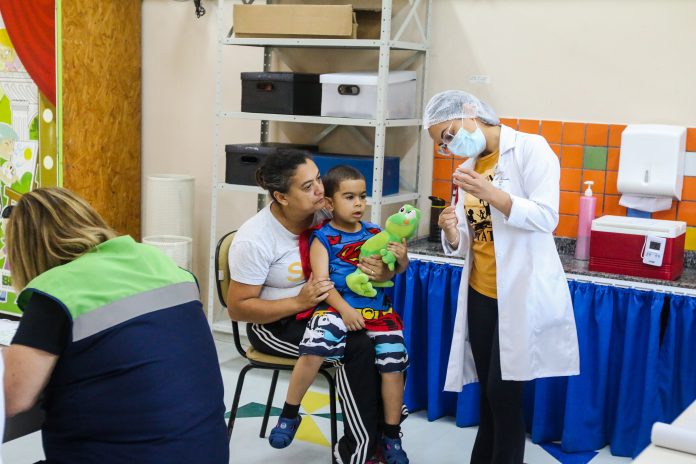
400, 225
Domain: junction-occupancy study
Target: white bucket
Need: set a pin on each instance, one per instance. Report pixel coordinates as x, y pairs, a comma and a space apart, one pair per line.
168, 206
175, 246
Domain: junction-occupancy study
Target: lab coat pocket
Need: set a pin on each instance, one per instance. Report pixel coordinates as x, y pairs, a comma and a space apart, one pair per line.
549, 310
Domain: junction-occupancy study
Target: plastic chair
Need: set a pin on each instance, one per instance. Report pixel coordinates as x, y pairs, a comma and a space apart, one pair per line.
256, 359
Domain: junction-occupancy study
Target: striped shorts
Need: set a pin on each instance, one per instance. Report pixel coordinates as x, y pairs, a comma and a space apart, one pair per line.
390, 350
325, 336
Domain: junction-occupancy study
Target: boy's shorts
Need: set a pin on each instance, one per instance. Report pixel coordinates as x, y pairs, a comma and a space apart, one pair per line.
325, 336
391, 355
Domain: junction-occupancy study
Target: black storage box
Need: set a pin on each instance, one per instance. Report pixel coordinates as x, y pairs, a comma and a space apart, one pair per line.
242, 160
281, 93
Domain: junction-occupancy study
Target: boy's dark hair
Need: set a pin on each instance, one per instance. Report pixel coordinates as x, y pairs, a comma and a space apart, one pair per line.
279, 167
333, 178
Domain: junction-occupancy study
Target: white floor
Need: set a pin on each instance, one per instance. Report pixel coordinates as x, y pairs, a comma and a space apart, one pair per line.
426, 442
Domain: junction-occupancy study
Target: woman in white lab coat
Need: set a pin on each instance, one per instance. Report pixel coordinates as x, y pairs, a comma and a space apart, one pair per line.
514, 317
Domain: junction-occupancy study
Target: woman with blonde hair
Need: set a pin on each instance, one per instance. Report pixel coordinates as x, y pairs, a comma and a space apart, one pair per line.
114, 334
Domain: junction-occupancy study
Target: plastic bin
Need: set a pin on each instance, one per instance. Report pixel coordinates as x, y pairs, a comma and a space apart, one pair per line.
281, 93
242, 160
354, 95
364, 164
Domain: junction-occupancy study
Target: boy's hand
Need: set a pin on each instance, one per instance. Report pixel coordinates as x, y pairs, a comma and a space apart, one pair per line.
353, 319
400, 252
388, 258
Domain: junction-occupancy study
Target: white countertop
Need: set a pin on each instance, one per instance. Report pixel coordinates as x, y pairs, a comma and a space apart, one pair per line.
657, 455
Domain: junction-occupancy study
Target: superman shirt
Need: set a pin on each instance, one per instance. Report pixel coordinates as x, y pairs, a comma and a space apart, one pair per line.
344, 253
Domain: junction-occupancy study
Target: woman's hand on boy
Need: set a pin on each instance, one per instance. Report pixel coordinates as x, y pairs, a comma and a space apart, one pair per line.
313, 292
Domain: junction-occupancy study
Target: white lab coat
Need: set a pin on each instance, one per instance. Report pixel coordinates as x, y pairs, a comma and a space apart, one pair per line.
536, 325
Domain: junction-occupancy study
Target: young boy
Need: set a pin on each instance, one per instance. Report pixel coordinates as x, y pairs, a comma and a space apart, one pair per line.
334, 250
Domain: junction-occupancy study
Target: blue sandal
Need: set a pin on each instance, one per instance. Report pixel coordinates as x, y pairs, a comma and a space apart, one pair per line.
393, 452
284, 432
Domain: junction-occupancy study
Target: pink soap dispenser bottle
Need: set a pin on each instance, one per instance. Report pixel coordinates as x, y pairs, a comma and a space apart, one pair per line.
586, 214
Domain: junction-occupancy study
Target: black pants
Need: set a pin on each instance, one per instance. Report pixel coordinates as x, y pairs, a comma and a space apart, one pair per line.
357, 383
501, 434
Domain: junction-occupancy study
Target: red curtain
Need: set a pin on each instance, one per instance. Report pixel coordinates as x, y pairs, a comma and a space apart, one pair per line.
31, 26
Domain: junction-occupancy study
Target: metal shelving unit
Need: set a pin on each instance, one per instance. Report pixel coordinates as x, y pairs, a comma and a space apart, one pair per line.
321, 119
327, 43
400, 197
387, 42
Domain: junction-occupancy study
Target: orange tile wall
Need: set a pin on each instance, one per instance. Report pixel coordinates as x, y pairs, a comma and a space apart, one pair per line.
580, 148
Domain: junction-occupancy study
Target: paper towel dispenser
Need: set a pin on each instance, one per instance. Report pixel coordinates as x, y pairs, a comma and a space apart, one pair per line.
652, 160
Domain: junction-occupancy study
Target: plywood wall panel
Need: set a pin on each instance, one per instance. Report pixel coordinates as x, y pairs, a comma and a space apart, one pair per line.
102, 107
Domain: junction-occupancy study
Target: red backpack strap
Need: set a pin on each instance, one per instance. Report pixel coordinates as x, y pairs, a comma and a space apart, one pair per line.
306, 265
305, 237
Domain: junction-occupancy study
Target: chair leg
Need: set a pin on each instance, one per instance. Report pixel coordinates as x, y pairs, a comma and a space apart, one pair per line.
269, 404
332, 406
235, 402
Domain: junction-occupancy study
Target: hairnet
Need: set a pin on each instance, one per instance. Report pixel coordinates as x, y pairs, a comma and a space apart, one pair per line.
457, 104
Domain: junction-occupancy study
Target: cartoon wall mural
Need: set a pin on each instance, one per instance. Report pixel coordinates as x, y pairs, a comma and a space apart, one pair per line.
27, 129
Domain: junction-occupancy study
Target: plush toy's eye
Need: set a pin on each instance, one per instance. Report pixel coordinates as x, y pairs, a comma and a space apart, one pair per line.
411, 214
402, 210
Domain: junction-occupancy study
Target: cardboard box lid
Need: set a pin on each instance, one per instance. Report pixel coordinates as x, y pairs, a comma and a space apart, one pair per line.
293, 20
639, 226
366, 78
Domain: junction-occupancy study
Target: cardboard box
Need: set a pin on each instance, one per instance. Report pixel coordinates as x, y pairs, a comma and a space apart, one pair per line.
369, 24
273, 21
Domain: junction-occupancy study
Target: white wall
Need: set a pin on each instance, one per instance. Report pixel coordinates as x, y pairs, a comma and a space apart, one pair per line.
178, 107
612, 61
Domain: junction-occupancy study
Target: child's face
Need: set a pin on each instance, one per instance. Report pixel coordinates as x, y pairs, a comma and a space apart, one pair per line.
348, 203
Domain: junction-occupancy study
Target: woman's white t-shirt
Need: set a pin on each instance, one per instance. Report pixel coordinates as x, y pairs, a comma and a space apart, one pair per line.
266, 253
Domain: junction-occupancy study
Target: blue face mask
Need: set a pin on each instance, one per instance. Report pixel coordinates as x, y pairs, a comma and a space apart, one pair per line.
467, 144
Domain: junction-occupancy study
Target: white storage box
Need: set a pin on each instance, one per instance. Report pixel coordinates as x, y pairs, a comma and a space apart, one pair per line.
354, 95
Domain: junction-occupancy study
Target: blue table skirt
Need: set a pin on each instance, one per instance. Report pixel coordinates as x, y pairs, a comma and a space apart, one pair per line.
637, 362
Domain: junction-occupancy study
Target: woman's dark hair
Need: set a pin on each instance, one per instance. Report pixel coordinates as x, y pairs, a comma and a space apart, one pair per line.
332, 179
274, 175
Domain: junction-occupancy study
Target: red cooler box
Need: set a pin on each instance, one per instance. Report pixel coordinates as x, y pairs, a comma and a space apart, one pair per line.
621, 245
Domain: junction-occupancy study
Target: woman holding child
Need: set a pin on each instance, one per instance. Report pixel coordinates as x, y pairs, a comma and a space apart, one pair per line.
268, 289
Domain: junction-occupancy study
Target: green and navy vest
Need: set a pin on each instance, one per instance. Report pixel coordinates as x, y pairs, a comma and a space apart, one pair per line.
139, 381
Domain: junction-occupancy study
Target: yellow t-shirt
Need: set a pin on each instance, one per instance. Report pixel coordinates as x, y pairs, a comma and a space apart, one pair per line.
478, 213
